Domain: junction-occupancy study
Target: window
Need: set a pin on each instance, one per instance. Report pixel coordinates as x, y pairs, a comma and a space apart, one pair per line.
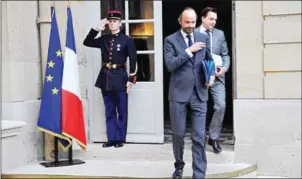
107, 5
140, 9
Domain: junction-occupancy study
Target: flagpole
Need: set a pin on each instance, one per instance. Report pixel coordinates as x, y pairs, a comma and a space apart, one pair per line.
70, 148
68, 63
68, 4
49, 140
56, 143
70, 154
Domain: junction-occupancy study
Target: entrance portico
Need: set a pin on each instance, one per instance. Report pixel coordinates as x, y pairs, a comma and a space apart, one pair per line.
148, 109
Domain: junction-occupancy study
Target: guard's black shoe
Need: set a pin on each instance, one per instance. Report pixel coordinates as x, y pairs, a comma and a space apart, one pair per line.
119, 144
108, 144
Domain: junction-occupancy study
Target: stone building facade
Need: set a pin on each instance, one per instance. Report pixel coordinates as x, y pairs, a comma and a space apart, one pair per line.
267, 110
267, 78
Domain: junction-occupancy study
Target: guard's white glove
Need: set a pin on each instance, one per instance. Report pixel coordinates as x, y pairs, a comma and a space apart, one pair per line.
129, 85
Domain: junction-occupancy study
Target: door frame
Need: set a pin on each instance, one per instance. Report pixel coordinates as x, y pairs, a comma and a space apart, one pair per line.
234, 65
96, 99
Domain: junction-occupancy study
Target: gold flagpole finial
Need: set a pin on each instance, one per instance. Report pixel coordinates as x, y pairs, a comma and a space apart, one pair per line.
52, 4
68, 4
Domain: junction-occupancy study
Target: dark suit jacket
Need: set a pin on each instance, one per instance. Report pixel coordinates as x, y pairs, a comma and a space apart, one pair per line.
115, 50
187, 73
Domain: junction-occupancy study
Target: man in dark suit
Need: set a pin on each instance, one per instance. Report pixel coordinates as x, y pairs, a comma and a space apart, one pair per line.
113, 79
187, 55
219, 50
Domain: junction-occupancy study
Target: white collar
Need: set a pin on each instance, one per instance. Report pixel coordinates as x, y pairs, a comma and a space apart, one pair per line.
202, 29
185, 34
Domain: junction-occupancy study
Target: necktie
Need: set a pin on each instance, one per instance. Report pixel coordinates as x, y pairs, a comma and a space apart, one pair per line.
208, 32
190, 43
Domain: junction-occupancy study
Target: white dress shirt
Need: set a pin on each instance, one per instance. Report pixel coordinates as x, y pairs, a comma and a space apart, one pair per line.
187, 41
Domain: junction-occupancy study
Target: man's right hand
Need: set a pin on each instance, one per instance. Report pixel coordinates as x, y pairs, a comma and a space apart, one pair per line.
101, 25
197, 46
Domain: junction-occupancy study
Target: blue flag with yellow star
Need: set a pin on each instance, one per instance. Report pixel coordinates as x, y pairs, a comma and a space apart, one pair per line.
50, 116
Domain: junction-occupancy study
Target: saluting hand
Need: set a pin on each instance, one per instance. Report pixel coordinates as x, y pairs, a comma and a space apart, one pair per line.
197, 46
101, 25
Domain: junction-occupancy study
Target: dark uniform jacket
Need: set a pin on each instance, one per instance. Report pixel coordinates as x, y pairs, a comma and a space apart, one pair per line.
115, 50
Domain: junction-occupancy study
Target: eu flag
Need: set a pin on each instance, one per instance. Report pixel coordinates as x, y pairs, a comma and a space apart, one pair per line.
50, 116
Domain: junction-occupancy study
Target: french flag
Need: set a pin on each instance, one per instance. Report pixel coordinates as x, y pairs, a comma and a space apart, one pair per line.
73, 125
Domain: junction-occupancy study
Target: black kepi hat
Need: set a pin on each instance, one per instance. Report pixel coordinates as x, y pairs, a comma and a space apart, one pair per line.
114, 15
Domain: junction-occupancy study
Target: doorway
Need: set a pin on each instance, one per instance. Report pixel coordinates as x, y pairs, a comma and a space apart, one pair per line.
224, 22
141, 21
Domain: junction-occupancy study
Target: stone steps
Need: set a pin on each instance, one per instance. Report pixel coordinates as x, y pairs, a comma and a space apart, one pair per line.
151, 152
136, 161
127, 169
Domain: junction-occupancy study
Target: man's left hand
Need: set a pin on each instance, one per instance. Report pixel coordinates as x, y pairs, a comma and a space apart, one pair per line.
211, 82
222, 71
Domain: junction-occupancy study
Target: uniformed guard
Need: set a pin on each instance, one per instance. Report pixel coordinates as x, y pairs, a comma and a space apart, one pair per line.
113, 78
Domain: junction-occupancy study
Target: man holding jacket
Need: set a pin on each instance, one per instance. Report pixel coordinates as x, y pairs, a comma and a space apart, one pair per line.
221, 58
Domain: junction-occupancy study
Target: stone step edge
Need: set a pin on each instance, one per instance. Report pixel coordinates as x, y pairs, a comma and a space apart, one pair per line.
232, 174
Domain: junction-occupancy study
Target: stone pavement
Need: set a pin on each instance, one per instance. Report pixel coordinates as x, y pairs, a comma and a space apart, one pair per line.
138, 160
134, 168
